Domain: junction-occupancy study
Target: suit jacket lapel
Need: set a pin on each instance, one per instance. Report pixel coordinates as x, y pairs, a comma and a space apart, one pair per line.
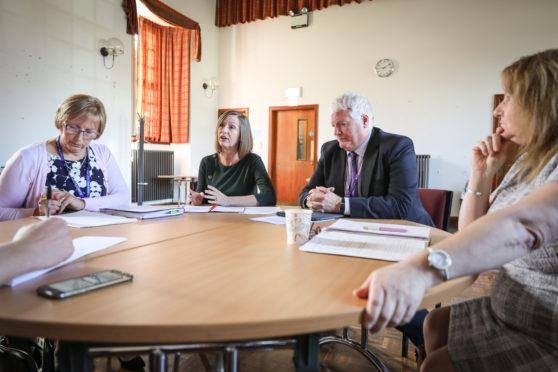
339, 163
370, 158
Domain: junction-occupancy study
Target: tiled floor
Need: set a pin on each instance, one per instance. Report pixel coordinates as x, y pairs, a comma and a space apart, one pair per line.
386, 345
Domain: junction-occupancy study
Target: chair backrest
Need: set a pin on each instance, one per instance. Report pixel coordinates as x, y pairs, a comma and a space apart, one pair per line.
438, 205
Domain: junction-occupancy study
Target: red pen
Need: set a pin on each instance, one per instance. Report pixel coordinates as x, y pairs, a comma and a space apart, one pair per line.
213, 207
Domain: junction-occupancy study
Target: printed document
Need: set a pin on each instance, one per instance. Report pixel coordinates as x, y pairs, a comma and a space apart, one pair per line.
388, 242
197, 208
83, 246
223, 209
276, 220
261, 210
377, 247
381, 228
91, 219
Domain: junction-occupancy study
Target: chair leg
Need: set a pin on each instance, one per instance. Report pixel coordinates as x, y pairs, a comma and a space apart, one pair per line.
405, 346
362, 347
205, 361
176, 362
157, 361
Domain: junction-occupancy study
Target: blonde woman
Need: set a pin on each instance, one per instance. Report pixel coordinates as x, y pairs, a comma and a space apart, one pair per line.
515, 227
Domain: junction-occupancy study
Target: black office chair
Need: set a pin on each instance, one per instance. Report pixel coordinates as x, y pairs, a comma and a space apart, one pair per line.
19, 354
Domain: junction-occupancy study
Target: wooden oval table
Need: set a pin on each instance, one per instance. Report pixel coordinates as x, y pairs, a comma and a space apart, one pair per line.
210, 278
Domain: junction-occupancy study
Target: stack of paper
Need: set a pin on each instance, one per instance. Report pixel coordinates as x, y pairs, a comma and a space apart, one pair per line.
223, 209
276, 220
382, 229
387, 242
144, 211
261, 210
90, 219
197, 208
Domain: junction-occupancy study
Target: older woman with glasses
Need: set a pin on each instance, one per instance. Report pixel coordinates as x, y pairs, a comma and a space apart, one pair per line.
82, 174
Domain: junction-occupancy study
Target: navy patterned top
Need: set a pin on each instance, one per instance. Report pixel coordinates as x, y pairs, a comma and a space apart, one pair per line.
58, 175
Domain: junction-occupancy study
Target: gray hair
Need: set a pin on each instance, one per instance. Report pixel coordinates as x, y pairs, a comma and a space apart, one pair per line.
356, 103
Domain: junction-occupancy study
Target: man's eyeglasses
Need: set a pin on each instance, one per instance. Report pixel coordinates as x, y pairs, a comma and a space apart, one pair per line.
87, 133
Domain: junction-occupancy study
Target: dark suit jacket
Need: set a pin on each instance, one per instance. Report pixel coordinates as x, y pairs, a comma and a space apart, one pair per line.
388, 183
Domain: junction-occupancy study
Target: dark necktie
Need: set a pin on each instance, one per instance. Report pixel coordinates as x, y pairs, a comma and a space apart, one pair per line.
353, 186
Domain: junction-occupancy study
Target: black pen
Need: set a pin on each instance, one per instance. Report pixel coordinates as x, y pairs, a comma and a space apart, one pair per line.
48, 197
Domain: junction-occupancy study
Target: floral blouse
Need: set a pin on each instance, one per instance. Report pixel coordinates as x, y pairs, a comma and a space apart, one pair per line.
59, 175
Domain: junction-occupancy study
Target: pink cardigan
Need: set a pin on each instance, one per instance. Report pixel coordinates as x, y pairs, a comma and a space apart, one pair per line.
24, 178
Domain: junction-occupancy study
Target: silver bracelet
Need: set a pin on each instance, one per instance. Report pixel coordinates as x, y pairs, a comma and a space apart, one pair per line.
476, 193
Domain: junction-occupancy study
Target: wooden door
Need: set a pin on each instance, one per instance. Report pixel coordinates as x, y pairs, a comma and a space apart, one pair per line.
513, 150
292, 149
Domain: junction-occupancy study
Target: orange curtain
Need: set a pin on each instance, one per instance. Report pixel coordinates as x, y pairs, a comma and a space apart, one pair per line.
230, 12
169, 15
163, 76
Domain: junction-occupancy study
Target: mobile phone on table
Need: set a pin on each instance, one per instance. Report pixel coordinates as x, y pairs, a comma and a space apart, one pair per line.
82, 284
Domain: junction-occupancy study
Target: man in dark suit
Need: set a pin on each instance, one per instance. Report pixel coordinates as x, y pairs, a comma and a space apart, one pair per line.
366, 172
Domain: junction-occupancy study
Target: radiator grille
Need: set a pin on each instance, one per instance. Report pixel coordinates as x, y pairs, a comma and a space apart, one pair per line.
422, 168
155, 163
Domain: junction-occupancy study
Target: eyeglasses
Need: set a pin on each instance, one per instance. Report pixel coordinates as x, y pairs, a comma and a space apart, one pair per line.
87, 133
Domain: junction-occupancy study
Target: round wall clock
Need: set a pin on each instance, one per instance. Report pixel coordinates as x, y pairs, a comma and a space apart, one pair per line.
384, 67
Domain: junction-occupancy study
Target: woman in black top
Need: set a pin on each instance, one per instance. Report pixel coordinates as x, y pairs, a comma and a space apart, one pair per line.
233, 176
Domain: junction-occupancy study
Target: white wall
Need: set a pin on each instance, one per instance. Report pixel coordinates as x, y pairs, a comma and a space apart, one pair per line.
449, 55
49, 50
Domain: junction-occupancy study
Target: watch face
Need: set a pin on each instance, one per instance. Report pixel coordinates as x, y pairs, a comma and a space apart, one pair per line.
439, 259
384, 67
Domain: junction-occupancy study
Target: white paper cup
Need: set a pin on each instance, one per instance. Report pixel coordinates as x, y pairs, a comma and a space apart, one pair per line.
298, 222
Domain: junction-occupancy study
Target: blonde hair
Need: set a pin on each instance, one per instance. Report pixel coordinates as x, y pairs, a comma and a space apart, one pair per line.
245, 141
80, 105
532, 81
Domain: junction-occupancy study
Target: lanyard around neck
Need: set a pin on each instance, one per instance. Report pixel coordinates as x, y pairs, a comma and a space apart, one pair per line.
87, 174
353, 182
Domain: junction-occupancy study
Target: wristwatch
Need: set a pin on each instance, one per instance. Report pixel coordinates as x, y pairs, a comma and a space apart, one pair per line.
342, 207
440, 260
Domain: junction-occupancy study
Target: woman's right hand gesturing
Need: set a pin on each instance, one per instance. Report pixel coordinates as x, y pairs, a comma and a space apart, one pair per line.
196, 198
489, 154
